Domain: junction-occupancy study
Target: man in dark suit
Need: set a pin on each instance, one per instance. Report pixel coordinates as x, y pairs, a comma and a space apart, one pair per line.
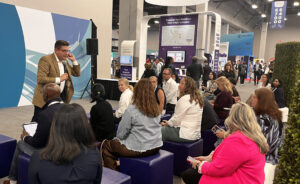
28, 144
55, 68
195, 70
257, 68
206, 71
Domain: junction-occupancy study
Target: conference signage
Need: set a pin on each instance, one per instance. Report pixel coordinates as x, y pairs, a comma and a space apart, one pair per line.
126, 72
217, 42
240, 44
178, 33
278, 14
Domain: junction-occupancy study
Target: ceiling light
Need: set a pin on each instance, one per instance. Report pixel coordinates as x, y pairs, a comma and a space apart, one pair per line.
298, 13
148, 26
296, 3
176, 2
118, 23
285, 19
156, 22
263, 15
254, 6
270, 0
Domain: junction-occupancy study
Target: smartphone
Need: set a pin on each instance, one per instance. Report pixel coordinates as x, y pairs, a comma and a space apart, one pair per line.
215, 128
190, 159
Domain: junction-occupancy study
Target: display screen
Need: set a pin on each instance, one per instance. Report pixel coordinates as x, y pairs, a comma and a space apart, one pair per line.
126, 60
178, 56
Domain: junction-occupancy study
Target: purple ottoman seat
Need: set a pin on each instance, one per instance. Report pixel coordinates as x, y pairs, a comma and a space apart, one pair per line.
23, 166
155, 169
7, 149
110, 176
181, 152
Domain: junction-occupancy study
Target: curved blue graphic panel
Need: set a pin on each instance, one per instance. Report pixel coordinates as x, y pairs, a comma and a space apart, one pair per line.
13, 59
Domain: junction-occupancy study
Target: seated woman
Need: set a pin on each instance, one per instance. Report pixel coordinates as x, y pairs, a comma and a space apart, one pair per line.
278, 92
239, 158
211, 86
139, 132
269, 119
125, 99
235, 94
224, 98
264, 82
159, 95
102, 119
71, 155
185, 124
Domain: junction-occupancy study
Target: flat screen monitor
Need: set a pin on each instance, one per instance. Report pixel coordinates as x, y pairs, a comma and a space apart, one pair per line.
178, 56
126, 60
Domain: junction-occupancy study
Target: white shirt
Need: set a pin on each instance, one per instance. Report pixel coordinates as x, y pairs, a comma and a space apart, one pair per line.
158, 67
170, 88
188, 117
125, 101
61, 71
260, 85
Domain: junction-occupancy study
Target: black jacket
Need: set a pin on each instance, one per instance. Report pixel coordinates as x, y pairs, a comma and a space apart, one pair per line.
44, 120
148, 73
229, 74
209, 116
279, 96
206, 71
102, 120
195, 71
86, 168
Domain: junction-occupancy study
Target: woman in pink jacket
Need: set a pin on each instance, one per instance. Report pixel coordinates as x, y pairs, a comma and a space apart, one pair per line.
240, 158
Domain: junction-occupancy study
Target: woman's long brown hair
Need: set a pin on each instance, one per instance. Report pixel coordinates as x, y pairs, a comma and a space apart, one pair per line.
144, 98
266, 104
191, 89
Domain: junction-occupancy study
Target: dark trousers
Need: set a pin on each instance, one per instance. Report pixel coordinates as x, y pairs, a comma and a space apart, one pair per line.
242, 77
191, 176
35, 113
170, 107
113, 149
256, 77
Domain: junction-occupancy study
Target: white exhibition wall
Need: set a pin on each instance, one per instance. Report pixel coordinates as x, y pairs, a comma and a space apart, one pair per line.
99, 11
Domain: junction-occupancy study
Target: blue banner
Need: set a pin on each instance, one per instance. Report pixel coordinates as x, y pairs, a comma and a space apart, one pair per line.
239, 44
278, 14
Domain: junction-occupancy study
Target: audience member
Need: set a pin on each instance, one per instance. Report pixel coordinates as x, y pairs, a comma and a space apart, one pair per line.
224, 98
240, 157
139, 132
125, 98
278, 92
264, 82
235, 94
211, 86
228, 71
206, 72
242, 72
71, 155
148, 71
168, 64
170, 88
102, 120
159, 94
269, 119
185, 124
159, 66
195, 70
28, 144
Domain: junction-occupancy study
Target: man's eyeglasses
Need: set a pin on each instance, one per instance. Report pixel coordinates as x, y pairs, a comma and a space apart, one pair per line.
65, 50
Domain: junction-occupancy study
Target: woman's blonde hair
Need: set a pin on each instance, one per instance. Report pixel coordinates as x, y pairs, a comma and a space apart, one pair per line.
225, 83
191, 89
126, 82
242, 117
148, 65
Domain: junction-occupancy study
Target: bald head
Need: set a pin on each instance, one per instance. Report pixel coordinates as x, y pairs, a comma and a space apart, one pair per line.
51, 91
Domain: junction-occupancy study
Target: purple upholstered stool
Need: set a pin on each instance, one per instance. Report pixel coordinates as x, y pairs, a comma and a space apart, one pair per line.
181, 152
7, 149
155, 169
113, 177
209, 139
23, 166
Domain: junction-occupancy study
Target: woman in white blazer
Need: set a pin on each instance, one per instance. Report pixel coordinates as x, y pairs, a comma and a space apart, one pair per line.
185, 124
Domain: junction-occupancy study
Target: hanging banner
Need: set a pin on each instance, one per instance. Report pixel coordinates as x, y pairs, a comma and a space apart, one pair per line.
223, 55
278, 14
240, 44
217, 41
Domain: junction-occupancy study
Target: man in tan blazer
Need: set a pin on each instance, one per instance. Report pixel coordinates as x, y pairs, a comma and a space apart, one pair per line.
55, 68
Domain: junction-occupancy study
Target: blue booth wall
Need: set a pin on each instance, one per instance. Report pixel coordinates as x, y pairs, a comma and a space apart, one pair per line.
27, 35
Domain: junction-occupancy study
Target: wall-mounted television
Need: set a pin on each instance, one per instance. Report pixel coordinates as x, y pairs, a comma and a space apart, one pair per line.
125, 60
178, 56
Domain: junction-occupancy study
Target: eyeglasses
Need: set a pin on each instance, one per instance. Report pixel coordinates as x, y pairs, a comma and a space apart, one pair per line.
65, 50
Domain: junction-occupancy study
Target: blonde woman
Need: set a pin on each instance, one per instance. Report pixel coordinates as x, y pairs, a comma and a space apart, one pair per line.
224, 99
240, 158
125, 99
